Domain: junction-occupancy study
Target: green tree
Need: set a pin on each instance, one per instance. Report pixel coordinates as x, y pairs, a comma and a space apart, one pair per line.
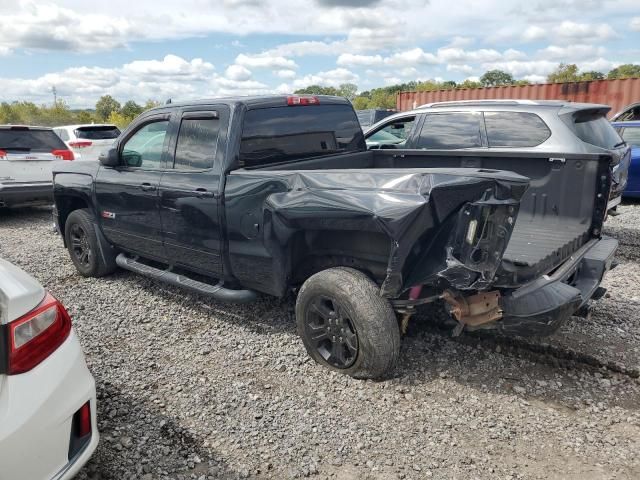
9, 115
348, 90
85, 117
469, 84
118, 119
361, 103
131, 109
105, 106
628, 70
151, 104
565, 72
449, 85
592, 75
317, 90
494, 78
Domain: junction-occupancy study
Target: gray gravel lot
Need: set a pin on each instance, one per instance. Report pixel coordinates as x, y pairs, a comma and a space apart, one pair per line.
189, 388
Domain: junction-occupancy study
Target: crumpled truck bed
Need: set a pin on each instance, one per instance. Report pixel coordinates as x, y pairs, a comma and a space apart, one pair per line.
425, 214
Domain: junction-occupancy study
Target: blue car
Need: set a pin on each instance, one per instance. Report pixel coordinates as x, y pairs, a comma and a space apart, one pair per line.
630, 133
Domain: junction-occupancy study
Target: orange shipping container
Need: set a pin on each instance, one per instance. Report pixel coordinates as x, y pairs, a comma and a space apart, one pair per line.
615, 93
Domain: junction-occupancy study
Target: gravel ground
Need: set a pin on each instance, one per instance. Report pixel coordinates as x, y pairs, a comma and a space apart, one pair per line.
189, 388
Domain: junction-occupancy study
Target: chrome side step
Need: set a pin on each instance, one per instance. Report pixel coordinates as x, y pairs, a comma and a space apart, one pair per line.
215, 291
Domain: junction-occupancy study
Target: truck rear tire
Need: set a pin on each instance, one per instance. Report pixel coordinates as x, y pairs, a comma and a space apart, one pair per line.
91, 256
346, 325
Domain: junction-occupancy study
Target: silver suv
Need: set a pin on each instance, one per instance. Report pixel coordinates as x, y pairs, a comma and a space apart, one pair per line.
558, 127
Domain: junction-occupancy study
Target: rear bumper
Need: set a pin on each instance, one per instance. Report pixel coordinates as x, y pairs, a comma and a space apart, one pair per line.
36, 412
541, 306
19, 194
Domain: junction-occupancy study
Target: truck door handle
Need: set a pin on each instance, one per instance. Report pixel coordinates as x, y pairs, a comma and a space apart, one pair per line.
147, 187
204, 193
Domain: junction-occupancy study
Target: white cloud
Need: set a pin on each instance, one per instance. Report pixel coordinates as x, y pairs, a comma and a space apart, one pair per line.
458, 55
584, 31
414, 56
171, 77
534, 32
535, 78
635, 24
264, 60
568, 30
310, 47
468, 69
520, 68
170, 66
237, 72
349, 59
287, 74
330, 78
571, 53
599, 64
51, 27
460, 42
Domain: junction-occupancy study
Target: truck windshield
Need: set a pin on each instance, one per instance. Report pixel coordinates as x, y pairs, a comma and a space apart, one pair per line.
280, 134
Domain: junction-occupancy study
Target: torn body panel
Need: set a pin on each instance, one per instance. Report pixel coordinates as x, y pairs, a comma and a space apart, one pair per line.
423, 215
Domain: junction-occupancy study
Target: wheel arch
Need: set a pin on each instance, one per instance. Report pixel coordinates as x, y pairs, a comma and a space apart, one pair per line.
311, 251
67, 203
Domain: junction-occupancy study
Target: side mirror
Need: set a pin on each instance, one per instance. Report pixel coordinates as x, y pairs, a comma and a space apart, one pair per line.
110, 158
131, 158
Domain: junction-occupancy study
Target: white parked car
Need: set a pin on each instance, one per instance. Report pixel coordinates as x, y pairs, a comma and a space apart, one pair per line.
48, 426
27, 155
88, 141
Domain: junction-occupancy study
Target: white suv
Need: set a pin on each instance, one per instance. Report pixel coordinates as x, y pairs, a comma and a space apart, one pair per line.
88, 141
27, 155
48, 426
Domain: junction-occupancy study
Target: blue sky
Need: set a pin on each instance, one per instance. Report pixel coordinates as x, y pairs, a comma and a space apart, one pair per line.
206, 48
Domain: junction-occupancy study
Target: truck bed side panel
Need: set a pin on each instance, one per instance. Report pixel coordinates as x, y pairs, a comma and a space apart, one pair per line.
270, 212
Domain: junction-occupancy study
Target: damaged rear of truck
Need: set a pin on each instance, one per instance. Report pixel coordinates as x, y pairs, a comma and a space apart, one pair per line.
293, 203
507, 240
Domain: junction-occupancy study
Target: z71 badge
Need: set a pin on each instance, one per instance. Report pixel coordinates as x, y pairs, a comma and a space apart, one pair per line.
108, 215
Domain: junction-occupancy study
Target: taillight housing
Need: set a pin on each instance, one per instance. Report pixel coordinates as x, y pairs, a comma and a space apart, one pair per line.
3, 154
306, 100
80, 144
63, 154
36, 335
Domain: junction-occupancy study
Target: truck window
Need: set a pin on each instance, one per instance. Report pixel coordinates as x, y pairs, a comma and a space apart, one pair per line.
144, 148
197, 144
515, 129
450, 131
279, 134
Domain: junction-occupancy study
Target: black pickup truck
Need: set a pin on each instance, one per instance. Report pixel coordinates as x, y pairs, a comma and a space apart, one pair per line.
279, 195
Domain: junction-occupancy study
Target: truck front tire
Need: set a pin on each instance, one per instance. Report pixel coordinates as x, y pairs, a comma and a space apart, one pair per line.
346, 325
91, 256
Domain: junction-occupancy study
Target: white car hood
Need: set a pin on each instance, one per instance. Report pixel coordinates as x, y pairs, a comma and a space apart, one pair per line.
19, 292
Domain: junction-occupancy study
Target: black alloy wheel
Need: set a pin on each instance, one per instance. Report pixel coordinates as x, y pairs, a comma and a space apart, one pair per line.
80, 246
332, 332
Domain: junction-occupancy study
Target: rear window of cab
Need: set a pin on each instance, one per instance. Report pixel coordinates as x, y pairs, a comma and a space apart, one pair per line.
280, 134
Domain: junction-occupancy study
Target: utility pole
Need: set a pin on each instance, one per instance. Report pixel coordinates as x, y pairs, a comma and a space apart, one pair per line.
55, 96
